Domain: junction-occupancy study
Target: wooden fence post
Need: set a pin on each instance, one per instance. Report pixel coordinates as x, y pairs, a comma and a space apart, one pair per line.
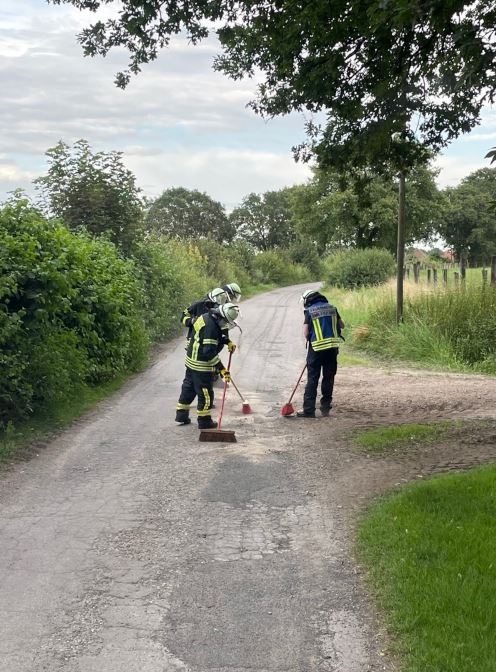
456, 275
484, 276
416, 271
434, 275
408, 272
429, 275
445, 276
493, 270
463, 267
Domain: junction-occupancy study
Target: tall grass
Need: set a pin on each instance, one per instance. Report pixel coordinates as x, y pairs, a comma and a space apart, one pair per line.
452, 327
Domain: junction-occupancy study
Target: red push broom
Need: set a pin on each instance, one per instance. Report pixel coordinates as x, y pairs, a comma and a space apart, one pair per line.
246, 408
288, 409
218, 434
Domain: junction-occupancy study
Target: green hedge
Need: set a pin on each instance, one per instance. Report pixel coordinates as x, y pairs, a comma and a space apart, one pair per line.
70, 311
360, 268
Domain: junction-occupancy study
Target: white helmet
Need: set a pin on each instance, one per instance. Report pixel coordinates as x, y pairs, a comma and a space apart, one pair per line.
218, 296
307, 294
233, 291
229, 313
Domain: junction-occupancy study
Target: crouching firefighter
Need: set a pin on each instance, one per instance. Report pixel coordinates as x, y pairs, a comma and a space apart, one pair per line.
322, 330
202, 361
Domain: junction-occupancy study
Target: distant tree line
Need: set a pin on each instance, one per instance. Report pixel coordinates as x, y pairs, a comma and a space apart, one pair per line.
94, 191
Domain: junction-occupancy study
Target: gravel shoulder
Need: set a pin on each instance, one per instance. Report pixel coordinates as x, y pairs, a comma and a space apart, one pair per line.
128, 545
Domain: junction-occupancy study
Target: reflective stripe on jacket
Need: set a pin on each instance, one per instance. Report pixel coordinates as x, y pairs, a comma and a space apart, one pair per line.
204, 345
323, 326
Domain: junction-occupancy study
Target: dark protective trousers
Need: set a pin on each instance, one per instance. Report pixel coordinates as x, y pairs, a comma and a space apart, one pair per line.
325, 362
196, 384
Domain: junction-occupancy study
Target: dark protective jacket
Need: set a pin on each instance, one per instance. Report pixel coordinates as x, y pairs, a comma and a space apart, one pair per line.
196, 309
323, 324
202, 353
190, 314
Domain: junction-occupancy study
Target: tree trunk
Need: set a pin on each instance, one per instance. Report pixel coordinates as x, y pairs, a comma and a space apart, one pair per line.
400, 252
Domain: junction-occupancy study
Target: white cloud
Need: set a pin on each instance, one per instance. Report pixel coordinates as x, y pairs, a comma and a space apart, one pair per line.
225, 174
10, 172
178, 122
480, 136
455, 168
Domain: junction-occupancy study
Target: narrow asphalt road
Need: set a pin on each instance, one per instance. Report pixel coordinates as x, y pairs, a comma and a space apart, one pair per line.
128, 546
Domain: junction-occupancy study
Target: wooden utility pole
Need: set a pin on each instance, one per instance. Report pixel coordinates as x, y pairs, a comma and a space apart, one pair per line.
400, 251
493, 270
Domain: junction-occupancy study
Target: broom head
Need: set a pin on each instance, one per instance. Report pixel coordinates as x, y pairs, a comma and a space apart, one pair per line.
287, 410
219, 435
246, 408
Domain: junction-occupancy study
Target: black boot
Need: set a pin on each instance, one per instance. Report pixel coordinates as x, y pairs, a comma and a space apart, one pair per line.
182, 416
206, 423
302, 414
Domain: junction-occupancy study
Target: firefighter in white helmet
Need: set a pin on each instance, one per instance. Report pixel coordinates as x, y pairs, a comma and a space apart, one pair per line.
203, 361
322, 330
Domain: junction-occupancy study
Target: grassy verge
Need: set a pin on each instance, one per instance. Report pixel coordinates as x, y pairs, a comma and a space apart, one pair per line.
430, 551
20, 441
403, 437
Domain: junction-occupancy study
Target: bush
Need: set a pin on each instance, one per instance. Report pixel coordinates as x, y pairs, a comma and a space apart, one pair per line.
70, 311
305, 253
276, 267
171, 273
359, 268
223, 263
74, 313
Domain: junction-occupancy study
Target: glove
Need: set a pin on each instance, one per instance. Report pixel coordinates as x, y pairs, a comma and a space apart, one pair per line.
226, 376
231, 346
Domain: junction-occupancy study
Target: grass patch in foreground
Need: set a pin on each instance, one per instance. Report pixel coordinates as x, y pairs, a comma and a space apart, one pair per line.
20, 440
347, 359
430, 551
383, 439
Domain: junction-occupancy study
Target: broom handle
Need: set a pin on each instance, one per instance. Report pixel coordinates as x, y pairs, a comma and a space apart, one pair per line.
235, 387
296, 386
224, 392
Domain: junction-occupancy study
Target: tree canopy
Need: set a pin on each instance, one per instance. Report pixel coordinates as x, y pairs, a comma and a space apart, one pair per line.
265, 220
469, 225
93, 190
184, 213
397, 79
363, 213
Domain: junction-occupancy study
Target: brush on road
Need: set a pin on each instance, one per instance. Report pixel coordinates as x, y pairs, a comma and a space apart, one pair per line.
288, 409
218, 434
246, 408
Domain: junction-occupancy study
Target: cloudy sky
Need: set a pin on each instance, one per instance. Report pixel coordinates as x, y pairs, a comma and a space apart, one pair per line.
178, 123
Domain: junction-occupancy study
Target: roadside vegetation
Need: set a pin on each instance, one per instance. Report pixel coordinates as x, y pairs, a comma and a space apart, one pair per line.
402, 437
429, 551
449, 327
